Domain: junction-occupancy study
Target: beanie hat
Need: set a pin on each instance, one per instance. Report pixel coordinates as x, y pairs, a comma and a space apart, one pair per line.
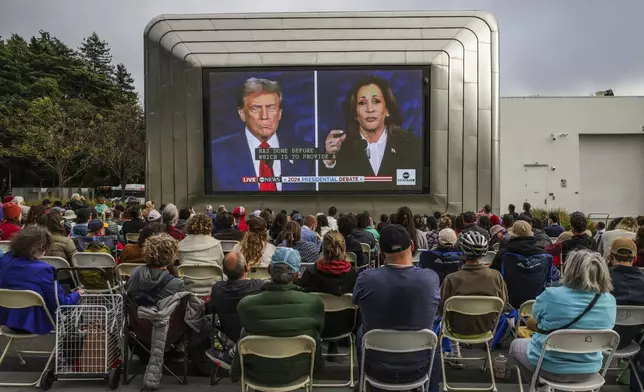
11, 211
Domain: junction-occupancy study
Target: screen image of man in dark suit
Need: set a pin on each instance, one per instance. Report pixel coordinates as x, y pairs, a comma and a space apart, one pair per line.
233, 156
373, 144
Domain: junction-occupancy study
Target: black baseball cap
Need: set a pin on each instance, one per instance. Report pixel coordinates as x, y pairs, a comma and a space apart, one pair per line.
394, 239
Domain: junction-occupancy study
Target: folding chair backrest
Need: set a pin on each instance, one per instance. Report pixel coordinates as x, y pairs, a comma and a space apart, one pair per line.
22, 299
488, 258
472, 305
580, 341
352, 258
260, 272
276, 348
55, 261
392, 341
93, 259
124, 270
199, 278
629, 315
228, 245
132, 238
4, 246
525, 310
496, 247
336, 303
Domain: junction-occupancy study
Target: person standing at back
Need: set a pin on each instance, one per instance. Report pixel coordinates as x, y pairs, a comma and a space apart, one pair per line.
398, 296
526, 210
554, 229
333, 222
512, 212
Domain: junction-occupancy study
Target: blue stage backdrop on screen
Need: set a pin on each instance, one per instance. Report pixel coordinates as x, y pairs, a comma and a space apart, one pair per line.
334, 86
298, 103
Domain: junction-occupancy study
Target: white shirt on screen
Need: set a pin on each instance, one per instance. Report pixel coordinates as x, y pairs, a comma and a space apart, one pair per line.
376, 151
253, 143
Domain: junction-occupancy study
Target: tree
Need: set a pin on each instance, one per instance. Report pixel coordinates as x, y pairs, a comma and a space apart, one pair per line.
57, 136
98, 54
124, 83
123, 142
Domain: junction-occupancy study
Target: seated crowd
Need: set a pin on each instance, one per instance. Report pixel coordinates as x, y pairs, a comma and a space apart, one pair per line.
426, 260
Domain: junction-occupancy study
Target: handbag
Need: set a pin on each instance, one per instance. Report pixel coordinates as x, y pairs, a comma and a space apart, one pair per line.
570, 324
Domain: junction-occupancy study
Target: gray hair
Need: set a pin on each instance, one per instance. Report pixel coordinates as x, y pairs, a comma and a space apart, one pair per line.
208, 208
586, 270
18, 200
170, 214
30, 242
234, 265
259, 85
282, 274
75, 196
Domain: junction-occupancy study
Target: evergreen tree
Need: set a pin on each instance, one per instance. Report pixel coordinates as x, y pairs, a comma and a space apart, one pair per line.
124, 82
98, 54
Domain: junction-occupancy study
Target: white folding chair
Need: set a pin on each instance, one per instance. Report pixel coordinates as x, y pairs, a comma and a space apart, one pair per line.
22, 299
59, 262
496, 247
228, 245
124, 271
397, 342
629, 316
471, 306
277, 348
4, 246
132, 238
199, 278
352, 258
104, 261
525, 310
488, 258
335, 304
577, 341
366, 250
259, 272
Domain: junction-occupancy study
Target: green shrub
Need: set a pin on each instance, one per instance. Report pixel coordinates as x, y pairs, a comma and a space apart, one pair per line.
564, 220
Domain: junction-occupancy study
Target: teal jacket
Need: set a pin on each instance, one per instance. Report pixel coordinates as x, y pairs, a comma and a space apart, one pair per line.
278, 311
556, 307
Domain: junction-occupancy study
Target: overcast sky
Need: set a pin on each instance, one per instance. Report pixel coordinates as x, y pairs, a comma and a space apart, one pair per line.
548, 47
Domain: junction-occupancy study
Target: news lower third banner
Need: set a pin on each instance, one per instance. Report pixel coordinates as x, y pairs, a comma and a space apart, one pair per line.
314, 179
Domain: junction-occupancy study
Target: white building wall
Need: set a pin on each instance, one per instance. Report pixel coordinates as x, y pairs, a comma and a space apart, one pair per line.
527, 125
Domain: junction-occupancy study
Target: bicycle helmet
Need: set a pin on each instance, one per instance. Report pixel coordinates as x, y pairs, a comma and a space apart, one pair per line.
473, 244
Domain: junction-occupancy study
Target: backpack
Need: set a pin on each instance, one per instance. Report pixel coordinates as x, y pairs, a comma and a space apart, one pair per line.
443, 263
149, 297
526, 277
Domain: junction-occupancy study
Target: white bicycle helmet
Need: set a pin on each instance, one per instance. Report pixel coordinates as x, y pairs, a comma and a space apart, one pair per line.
473, 244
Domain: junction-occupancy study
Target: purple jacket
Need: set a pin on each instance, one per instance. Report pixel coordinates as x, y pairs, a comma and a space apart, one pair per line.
38, 276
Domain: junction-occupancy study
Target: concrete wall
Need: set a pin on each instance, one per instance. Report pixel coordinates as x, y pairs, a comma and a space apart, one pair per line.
461, 49
533, 165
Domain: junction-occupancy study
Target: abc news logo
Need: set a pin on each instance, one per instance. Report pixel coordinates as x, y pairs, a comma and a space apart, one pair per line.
406, 177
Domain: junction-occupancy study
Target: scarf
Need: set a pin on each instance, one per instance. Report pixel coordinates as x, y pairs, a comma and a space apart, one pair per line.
334, 267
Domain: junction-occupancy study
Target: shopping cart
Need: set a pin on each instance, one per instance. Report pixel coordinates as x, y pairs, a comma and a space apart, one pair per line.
89, 338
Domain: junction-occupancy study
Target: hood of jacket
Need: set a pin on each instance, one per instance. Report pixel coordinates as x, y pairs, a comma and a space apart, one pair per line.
150, 277
525, 246
197, 243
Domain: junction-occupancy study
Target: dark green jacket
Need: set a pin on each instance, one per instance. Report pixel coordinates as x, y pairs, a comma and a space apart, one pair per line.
279, 311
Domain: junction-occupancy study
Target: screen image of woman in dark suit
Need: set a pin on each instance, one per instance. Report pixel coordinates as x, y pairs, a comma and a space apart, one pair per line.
373, 141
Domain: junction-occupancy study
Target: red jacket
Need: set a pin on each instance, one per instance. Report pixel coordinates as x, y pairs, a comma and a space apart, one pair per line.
8, 230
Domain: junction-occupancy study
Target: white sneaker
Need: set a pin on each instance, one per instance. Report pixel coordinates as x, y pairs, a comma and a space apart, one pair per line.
453, 361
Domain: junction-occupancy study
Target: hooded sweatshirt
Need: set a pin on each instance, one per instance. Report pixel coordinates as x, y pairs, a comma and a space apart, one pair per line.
524, 246
200, 248
145, 278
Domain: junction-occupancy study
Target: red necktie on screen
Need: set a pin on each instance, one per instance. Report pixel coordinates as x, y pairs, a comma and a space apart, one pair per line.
266, 171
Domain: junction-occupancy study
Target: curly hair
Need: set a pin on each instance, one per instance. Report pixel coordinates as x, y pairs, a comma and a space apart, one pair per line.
292, 233
334, 246
578, 222
30, 242
627, 224
160, 250
445, 222
149, 230
254, 242
51, 221
419, 223
199, 224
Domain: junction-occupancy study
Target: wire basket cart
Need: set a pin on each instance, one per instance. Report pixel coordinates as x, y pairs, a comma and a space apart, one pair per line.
89, 340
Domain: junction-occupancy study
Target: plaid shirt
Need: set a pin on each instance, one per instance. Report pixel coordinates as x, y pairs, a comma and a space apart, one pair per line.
175, 233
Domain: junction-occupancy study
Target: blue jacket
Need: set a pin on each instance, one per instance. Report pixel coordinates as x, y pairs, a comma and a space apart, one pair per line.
38, 276
554, 230
231, 160
442, 260
556, 307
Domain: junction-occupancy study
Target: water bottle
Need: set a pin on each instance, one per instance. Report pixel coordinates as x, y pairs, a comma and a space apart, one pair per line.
500, 366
